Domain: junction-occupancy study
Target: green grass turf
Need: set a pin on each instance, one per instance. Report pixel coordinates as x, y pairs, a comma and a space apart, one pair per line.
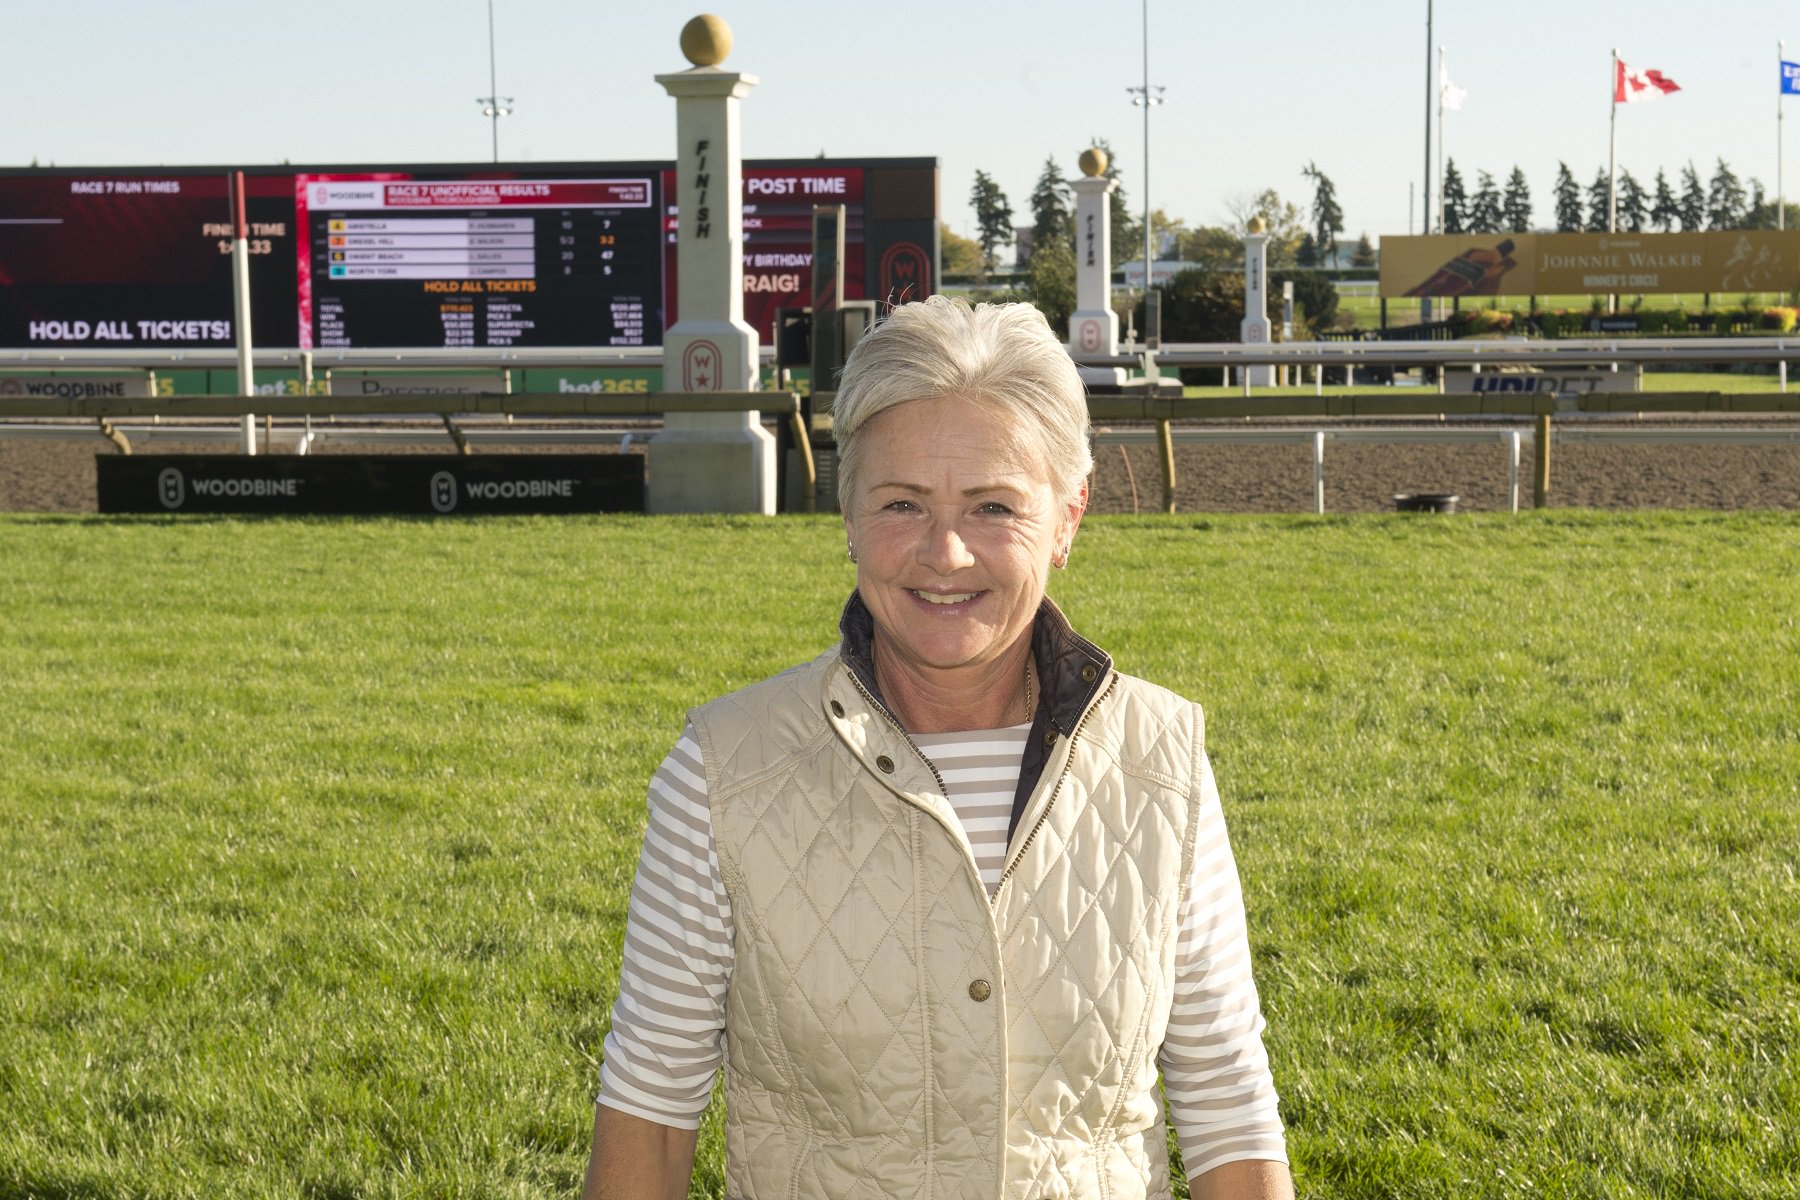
316, 836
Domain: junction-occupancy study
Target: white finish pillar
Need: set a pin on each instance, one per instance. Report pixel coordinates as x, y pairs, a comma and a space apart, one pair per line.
710, 462
1094, 326
1255, 328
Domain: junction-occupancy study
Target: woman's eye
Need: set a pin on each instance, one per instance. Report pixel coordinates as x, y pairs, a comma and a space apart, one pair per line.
901, 506
995, 508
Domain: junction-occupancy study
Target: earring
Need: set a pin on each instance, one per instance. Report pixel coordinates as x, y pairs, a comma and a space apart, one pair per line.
1061, 559
850, 550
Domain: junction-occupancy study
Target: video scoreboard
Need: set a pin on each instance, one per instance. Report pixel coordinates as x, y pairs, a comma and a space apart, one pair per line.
573, 255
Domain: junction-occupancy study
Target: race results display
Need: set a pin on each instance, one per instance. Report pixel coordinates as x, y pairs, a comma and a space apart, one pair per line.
420, 257
393, 260
138, 259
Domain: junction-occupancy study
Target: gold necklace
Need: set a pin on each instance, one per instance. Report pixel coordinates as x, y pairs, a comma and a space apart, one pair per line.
1030, 709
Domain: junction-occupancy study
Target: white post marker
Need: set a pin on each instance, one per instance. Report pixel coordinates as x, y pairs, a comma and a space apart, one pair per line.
710, 462
240, 301
1094, 326
1319, 471
1255, 329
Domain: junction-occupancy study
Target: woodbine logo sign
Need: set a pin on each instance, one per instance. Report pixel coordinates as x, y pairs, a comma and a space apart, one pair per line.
436, 485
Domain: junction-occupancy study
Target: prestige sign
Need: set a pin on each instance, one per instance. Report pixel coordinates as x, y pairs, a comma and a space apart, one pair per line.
1731, 261
432, 485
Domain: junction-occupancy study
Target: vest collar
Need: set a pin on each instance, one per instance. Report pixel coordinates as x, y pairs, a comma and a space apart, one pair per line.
1070, 669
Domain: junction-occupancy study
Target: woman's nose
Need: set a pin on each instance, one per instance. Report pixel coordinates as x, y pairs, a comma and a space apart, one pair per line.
945, 551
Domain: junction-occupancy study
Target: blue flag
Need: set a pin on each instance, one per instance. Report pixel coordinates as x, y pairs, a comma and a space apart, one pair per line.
1790, 78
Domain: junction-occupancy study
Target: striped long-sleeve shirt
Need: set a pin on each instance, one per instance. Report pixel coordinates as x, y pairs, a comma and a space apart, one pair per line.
668, 1029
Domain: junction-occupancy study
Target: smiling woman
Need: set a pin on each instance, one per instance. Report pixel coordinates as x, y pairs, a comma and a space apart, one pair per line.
947, 900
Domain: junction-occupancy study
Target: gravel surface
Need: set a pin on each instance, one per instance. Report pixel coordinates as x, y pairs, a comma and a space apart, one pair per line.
57, 475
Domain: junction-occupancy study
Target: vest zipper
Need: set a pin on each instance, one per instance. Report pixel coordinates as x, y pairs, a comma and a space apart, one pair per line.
1057, 789
878, 706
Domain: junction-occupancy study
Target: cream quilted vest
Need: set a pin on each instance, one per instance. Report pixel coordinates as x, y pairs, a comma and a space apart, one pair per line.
891, 1032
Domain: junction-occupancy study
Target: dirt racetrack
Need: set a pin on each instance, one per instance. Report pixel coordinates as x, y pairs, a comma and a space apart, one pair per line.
57, 475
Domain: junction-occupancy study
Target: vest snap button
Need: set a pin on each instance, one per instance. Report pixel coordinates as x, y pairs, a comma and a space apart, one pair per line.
1090, 673
980, 990
837, 710
1049, 738
886, 764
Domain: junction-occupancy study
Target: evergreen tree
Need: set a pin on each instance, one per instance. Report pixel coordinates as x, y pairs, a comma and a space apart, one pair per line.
1456, 200
1568, 201
1327, 214
1726, 200
1759, 205
1596, 195
1515, 206
1664, 212
1050, 214
1364, 254
1485, 213
993, 218
1308, 254
1634, 208
1692, 205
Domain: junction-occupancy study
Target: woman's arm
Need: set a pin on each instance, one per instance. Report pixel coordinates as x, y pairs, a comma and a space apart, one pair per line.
635, 1159
1246, 1179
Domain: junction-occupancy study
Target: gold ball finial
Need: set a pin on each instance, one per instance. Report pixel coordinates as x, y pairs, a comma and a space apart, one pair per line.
1258, 225
1093, 162
706, 40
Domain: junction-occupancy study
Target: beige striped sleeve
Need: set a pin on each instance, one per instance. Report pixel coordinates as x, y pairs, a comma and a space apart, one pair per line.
1215, 1070
668, 1025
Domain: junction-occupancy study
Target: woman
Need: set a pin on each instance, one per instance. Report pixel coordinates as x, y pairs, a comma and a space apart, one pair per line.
943, 900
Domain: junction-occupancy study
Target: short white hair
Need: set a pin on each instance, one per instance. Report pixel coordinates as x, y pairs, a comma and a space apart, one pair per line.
1002, 356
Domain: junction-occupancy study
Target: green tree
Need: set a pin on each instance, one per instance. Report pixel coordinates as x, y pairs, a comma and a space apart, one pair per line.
1051, 217
1726, 200
1050, 282
1364, 254
1634, 203
1315, 300
1568, 200
1327, 214
1212, 248
1308, 253
1692, 205
960, 254
1455, 200
993, 218
1597, 199
1664, 212
1515, 206
1486, 214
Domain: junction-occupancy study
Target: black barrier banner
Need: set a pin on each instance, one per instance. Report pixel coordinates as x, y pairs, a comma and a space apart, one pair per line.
432, 485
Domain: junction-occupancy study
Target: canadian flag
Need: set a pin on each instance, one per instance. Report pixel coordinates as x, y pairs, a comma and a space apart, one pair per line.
1630, 86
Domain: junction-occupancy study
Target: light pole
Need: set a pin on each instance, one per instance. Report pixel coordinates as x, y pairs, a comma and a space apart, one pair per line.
1146, 97
494, 105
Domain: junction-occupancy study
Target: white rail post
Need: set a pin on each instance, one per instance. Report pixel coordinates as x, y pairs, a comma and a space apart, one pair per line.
1319, 471
240, 301
1511, 437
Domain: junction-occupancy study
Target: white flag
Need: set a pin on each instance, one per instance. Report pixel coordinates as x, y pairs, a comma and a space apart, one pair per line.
1449, 95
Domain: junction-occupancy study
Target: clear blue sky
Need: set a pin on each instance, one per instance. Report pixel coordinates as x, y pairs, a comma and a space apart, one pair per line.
1254, 91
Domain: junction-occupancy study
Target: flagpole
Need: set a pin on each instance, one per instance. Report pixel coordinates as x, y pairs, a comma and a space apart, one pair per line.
1425, 206
1443, 226
1780, 96
1612, 154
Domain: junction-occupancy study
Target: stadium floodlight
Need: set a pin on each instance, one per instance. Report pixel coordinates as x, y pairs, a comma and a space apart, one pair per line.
1146, 97
494, 105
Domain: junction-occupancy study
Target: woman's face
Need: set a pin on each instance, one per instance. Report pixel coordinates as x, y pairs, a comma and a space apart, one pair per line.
954, 522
